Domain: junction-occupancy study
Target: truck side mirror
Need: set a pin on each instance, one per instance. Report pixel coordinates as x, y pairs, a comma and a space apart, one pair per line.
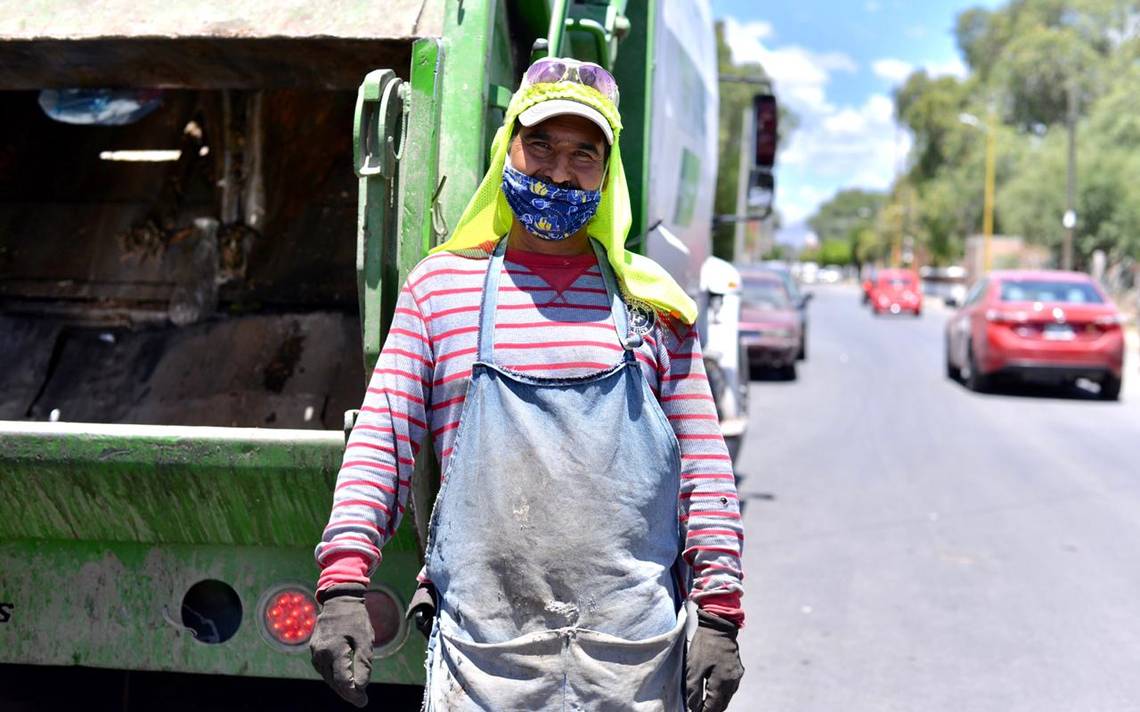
761, 182
766, 115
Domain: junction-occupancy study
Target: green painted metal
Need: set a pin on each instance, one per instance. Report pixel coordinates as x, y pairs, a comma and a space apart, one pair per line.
557, 32
157, 484
377, 141
119, 605
634, 75
103, 529
419, 175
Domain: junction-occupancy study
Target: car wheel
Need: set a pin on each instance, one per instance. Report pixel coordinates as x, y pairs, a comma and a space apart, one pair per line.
917, 313
975, 380
952, 371
1110, 388
788, 371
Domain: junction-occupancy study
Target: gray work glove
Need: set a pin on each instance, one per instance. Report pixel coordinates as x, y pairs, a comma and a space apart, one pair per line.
712, 668
341, 645
421, 609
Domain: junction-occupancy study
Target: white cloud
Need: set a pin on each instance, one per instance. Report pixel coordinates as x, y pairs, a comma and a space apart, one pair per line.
916, 32
801, 75
872, 6
896, 71
893, 70
950, 68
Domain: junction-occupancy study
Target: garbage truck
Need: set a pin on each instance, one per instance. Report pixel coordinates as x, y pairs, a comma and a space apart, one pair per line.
206, 212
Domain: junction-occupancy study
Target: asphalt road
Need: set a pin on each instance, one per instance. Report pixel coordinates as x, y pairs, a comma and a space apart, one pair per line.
914, 546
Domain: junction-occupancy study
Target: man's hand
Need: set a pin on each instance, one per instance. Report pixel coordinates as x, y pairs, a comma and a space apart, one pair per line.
712, 668
421, 609
341, 646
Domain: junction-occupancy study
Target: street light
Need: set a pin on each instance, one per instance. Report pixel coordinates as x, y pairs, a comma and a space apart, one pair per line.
988, 206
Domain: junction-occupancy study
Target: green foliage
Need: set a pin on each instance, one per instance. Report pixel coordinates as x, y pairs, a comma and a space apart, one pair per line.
1027, 60
836, 252
842, 222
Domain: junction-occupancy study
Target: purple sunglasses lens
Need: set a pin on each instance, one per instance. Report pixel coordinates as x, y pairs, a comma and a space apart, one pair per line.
597, 78
546, 71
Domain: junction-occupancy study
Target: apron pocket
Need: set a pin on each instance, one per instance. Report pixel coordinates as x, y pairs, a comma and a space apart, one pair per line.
566, 669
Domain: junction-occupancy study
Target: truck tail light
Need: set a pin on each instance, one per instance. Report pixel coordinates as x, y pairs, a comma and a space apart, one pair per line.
386, 615
290, 615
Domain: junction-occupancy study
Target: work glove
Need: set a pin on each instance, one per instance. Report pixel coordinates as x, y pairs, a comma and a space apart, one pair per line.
421, 609
341, 645
712, 668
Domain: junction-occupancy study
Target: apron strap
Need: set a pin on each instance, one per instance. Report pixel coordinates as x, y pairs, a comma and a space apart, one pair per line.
629, 340
490, 303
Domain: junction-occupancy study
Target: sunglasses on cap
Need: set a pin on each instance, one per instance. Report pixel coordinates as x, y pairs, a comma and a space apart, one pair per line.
552, 70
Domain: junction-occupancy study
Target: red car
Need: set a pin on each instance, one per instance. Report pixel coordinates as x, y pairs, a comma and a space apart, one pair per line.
896, 291
1045, 326
771, 327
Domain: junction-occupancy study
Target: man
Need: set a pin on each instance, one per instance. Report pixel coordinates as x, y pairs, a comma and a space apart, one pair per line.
586, 489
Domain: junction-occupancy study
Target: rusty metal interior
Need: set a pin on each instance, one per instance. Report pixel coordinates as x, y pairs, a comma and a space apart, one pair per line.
217, 289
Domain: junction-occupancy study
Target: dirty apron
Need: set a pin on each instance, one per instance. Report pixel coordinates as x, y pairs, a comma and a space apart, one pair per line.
553, 540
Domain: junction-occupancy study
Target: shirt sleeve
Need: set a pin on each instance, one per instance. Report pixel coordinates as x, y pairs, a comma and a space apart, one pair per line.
375, 476
709, 506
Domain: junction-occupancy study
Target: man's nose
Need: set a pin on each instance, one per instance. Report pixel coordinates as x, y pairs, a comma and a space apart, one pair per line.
560, 173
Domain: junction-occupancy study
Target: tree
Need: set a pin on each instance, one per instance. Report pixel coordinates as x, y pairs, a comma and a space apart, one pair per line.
843, 219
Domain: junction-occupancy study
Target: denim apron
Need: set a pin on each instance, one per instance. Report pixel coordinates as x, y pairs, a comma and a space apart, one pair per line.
553, 540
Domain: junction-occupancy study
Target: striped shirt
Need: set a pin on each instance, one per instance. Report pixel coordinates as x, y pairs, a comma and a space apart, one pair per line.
559, 325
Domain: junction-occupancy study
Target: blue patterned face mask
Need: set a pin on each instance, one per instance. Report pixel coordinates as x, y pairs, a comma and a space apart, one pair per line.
546, 210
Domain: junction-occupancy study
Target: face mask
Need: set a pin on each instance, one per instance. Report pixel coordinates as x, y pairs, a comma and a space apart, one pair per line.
546, 210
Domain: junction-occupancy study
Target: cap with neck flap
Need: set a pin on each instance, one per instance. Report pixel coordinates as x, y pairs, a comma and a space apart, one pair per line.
487, 217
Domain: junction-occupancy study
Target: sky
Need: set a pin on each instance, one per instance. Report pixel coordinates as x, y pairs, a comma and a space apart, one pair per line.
835, 64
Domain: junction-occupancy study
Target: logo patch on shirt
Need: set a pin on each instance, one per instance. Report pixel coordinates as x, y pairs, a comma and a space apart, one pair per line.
641, 317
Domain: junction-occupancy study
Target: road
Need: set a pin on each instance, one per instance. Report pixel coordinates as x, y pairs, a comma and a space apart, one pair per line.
914, 546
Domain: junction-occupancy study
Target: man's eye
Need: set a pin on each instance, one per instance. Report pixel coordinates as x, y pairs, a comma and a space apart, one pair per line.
540, 146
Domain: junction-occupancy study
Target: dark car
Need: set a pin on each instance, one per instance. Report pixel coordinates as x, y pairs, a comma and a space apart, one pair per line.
771, 325
1041, 325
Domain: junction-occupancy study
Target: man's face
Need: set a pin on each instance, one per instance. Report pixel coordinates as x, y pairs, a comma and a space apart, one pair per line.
568, 151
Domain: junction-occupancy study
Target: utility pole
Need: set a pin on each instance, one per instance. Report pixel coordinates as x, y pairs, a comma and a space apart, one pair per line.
747, 153
1070, 219
988, 206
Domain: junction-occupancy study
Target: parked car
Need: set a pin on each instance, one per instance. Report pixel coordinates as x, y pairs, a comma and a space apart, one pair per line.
945, 283
896, 291
1046, 326
771, 326
800, 300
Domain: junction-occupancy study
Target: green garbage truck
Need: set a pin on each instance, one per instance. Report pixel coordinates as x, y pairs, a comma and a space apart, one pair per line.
206, 211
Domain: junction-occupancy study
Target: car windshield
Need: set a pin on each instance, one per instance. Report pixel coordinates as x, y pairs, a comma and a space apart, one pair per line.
898, 282
765, 293
1041, 290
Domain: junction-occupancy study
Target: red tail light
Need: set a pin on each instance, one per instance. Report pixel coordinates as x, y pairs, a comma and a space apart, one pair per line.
1005, 316
289, 616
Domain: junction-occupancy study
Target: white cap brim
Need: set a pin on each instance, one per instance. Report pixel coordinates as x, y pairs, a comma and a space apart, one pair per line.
559, 107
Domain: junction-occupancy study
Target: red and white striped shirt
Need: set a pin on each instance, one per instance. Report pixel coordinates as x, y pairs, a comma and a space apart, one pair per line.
553, 320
